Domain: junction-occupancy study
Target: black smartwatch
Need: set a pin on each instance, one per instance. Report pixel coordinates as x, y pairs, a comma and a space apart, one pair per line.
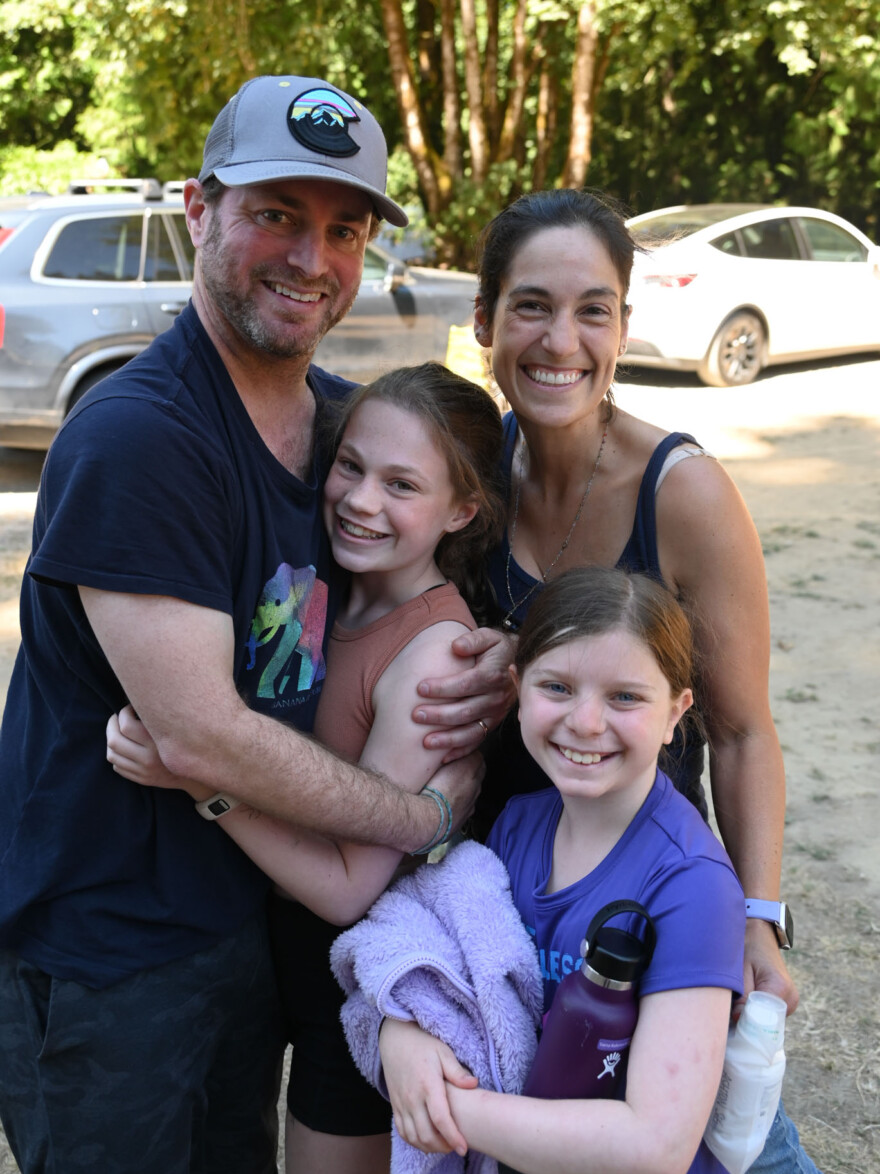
217, 805
779, 916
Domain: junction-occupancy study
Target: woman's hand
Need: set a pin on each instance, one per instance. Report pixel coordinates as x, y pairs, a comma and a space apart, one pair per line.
417, 1068
764, 967
133, 754
474, 701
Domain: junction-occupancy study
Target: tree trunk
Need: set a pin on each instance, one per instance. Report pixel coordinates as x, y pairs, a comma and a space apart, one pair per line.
428, 77
491, 79
516, 94
476, 116
582, 95
451, 94
545, 128
429, 168
249, 63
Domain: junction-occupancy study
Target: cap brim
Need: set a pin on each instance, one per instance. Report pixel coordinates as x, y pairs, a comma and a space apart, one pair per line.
265, 171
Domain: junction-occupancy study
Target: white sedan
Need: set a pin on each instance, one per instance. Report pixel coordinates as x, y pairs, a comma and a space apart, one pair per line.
728, 289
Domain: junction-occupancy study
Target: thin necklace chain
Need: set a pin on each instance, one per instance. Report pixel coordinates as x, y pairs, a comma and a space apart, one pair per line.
508, 621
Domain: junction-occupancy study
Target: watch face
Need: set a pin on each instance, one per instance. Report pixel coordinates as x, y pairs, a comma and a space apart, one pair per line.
787, 928
778, 914
218, 807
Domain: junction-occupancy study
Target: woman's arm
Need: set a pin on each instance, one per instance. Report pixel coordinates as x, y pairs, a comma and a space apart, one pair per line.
674, 1069
338, 881
711, 554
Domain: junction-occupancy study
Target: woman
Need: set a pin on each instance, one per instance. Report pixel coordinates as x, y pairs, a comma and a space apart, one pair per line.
589, 483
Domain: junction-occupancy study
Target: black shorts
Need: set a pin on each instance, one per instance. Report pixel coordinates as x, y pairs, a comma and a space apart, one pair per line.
172, 1070
326, 1092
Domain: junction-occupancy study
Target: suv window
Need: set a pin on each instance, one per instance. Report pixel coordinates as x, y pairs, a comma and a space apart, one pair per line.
771, 240
161, 262
830, 242
176, 223
99, 248
374, 266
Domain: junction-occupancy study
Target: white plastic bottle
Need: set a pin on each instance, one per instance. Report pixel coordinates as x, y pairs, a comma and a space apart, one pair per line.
751, 1083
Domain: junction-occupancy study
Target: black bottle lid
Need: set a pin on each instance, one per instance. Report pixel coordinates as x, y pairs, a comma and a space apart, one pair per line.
614, 953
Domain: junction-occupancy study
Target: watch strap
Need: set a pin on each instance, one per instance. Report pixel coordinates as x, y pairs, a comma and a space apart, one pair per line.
779, 916
217, 805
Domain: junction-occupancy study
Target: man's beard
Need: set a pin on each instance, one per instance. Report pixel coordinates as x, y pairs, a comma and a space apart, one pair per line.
240, 309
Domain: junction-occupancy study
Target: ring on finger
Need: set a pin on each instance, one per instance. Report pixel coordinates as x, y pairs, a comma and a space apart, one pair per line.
480, 722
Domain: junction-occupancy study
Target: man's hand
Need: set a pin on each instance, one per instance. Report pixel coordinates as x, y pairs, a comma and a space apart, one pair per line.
473, 701
764, 968
417, 1067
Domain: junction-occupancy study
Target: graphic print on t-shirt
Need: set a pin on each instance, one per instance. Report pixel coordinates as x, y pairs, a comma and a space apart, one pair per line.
289, 621
555, 965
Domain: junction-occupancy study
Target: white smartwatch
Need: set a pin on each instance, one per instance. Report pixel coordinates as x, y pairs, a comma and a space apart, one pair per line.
779, 916
217, 805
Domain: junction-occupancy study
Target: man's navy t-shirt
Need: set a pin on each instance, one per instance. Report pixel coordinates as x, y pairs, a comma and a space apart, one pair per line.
158, 483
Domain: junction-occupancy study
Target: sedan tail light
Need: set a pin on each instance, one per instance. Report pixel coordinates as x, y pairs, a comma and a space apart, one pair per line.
669, 280
5, 233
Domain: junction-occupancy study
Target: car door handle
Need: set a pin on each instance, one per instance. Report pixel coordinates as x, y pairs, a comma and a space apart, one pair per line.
172, 307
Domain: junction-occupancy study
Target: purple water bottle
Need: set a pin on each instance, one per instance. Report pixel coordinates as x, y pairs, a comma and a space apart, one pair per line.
587, 1031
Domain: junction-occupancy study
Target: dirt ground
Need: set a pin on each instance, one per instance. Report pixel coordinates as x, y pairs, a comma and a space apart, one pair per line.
803, 445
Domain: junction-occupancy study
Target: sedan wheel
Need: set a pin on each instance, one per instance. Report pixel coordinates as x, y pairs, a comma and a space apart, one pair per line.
737, 352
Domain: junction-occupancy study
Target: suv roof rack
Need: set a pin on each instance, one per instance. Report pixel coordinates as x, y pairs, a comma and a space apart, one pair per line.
150, 189
173, 187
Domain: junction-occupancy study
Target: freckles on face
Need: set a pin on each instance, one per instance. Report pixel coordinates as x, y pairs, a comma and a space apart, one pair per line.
594, 713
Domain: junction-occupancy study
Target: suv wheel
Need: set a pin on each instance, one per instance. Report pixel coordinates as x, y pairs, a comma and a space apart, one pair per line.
88, 381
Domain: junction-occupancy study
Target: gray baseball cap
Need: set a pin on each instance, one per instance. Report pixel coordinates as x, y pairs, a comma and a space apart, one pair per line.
299, 128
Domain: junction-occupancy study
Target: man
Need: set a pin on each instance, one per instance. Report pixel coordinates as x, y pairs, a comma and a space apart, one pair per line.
179, 562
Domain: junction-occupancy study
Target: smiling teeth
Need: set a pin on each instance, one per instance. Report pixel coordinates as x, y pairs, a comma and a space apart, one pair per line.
580, 758
296, 297
554, 378
358, 531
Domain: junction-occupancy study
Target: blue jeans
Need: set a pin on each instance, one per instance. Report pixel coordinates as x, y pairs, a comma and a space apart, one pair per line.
783, 1152
170, 1071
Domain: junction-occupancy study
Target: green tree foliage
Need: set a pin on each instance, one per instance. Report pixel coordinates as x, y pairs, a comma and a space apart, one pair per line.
46, 77
734, 100
175, 62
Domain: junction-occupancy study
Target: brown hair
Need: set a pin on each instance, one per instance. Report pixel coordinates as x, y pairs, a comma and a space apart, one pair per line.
505, 234
590, 601
465, 424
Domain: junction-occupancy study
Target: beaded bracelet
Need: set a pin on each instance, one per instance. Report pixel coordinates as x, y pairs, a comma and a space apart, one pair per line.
443, 828
448, 807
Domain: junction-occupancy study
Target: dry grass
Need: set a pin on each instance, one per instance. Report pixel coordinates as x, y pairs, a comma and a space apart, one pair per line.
832, 1087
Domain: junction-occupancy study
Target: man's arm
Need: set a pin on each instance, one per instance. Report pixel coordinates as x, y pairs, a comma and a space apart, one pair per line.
175, 662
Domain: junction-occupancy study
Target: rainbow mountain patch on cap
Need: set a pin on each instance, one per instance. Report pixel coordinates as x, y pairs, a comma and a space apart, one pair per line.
319, 119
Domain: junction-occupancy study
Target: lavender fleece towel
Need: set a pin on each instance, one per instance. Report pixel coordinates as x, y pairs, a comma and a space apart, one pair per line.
445, 947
